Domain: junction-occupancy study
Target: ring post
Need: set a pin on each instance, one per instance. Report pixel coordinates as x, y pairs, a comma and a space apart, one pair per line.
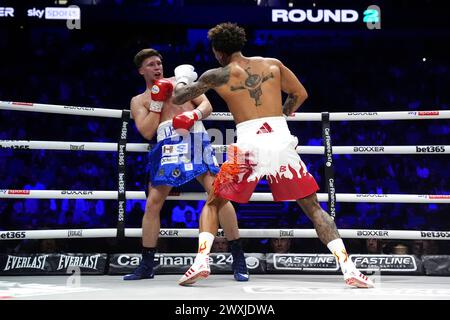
329, 167
121, 177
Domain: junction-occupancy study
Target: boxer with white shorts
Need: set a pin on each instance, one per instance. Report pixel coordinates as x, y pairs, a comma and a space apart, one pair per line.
252, 89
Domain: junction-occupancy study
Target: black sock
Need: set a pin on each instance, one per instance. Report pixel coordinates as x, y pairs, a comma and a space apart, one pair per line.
235, 245
147, 252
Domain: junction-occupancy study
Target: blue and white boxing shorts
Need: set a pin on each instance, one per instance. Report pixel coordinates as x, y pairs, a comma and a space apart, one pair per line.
175, 159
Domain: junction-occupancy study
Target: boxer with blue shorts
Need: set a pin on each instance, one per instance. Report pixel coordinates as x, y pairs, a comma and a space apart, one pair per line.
182, 152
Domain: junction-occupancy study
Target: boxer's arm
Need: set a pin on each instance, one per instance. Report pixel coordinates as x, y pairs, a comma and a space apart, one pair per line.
146, 122
291, 85
203, 105
210, 79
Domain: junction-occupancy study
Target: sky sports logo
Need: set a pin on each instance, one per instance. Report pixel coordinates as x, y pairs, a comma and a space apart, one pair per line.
371, 16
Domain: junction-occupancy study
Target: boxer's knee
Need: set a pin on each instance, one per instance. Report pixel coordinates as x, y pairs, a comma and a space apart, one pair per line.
310, 205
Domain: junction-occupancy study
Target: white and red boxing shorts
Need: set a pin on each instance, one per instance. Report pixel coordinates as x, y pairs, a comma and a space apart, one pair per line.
264, 148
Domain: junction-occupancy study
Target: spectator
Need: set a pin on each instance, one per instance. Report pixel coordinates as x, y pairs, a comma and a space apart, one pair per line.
280, 245
178, 213
220, 244
374, 246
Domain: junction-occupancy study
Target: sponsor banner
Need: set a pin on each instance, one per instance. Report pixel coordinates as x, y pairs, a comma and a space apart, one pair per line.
362, 113
75, 147
32, 264
178, 263
386, 263
368, 149
18, 191
372, 233
440, 196
77, 192
298, 263
29, 104
79, 108
430, 149
20, 147
428, 113
11, 235
370, 195
435, 234
175, 149
436, 265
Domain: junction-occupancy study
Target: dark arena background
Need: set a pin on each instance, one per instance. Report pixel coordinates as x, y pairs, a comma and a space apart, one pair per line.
72, 196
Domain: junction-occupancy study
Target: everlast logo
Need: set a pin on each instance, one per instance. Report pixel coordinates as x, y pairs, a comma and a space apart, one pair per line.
435, 234
362, 113
74, 233
89, 262
15, 262
168, 233
368, 149
430, 149
78, 193
372, 233
286, 233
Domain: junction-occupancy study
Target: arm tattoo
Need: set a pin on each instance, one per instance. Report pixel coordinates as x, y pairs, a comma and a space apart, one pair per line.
290, 104
210, 79
253, 85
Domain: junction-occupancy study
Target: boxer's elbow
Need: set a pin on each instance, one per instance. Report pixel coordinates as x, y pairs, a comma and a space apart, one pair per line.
148, 132
303, 95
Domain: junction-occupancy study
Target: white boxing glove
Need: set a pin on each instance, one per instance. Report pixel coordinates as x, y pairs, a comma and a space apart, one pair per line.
185, 74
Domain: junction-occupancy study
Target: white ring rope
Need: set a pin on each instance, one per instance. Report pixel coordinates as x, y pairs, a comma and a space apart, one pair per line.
244, 233
261, 196
145, 147
222, 116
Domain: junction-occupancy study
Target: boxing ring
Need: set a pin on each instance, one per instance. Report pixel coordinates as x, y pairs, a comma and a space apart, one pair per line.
261, 287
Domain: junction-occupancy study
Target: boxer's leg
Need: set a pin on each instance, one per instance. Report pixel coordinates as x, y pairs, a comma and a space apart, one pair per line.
228, 221
327, 231
150, 232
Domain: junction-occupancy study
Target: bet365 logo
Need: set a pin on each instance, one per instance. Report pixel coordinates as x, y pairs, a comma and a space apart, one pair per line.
372, 17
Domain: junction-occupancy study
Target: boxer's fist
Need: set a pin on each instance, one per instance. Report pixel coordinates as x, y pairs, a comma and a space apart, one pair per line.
185, 74
161, 91
183, 122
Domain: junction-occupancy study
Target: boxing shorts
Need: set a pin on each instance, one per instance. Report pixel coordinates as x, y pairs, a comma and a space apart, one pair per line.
264, 148
175, 159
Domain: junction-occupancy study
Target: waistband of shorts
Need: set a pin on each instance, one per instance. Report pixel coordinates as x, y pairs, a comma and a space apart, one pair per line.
252, 126
166, 130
